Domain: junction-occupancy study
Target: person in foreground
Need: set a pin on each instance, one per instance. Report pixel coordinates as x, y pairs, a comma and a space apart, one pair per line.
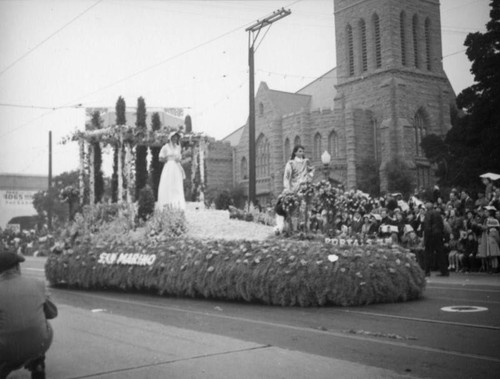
25, 307
171, 188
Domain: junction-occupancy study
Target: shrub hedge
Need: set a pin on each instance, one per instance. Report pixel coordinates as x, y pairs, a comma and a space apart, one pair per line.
277, 272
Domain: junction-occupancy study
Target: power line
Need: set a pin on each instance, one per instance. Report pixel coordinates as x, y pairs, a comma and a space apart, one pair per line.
455, 53
166, 60
46, 39
39, 117
25, 106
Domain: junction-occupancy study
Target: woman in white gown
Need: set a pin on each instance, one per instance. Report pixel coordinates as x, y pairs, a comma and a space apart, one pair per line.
171, 189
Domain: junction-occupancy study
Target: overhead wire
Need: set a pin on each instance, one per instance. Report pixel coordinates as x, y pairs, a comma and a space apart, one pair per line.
148, 68
48, 38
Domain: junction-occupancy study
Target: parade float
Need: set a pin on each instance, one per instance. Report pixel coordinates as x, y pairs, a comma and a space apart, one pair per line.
107, 248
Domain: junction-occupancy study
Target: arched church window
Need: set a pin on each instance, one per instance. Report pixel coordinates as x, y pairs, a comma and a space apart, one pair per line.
317, 147
420, 125
415, 41
261, 109
377, 39
428, 44
364, 53
244, 168
287, 150
402, 26
262, 157
350, 50
296, 141
333, 144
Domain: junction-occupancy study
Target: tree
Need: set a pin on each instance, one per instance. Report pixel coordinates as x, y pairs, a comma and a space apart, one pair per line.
155, 165
141, 151
369, 177
189, 124
399, 178
120, 120
473, 140
96, 123
63, 191
438, 153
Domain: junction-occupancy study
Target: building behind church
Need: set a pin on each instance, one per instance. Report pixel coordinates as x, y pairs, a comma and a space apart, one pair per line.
387, 92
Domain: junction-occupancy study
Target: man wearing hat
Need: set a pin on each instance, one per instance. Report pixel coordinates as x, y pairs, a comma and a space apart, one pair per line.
25, 334
433, 241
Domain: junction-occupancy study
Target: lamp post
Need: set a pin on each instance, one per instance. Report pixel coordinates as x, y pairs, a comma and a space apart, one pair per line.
325, 159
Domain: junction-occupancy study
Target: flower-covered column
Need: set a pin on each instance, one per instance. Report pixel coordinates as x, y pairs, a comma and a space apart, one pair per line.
81, 184
128, 169
202, 168
91, 175
120, 168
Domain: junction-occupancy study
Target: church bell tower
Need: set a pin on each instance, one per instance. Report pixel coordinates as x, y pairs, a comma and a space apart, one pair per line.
391, 86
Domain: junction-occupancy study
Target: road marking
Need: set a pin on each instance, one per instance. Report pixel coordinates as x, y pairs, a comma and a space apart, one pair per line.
303, 329
463, 288
464, 308
33, 269
428, 320
485, 301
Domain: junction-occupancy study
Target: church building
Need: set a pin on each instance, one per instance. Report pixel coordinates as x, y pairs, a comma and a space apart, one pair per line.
387, 92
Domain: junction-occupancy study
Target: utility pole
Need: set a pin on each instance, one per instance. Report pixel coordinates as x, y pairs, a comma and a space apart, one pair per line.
49, 210
253, 35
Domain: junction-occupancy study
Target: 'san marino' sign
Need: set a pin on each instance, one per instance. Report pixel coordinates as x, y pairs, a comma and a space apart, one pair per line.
134, 259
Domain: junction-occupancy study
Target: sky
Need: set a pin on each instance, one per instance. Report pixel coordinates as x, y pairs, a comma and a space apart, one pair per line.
58, 57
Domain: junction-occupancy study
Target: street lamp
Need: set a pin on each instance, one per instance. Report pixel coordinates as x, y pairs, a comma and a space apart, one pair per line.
325, 159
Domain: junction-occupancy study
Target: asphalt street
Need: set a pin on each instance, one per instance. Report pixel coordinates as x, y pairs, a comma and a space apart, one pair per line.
417, 338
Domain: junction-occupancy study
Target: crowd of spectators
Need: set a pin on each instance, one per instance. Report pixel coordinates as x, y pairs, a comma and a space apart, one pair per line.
471, 225
26, 242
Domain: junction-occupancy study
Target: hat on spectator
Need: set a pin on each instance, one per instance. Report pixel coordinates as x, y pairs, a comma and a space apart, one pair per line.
408, 228
376, 216
9, 260
490, 208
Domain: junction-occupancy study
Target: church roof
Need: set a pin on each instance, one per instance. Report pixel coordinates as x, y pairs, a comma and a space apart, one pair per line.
234, 137
286, 102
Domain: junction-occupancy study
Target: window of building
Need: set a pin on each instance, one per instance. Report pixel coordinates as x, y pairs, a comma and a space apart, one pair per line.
415, 41
261, 109
420, 125
297, 141
428, 44
333, 144
364, 53
377, 39
402, 25
350, 50
262, 157
317, 147
244, 168
287, 150
423, 177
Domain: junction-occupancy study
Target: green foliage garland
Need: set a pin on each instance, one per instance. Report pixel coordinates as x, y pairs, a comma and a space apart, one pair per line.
96, 123
155, 165
146, 202
141, 152
120, 120
278, 272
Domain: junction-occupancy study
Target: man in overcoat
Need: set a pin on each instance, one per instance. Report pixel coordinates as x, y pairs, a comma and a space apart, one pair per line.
433, 241
25, 307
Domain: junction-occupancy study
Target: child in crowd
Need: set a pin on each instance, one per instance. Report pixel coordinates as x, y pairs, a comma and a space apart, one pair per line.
469, 261
455, 250
413, 242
